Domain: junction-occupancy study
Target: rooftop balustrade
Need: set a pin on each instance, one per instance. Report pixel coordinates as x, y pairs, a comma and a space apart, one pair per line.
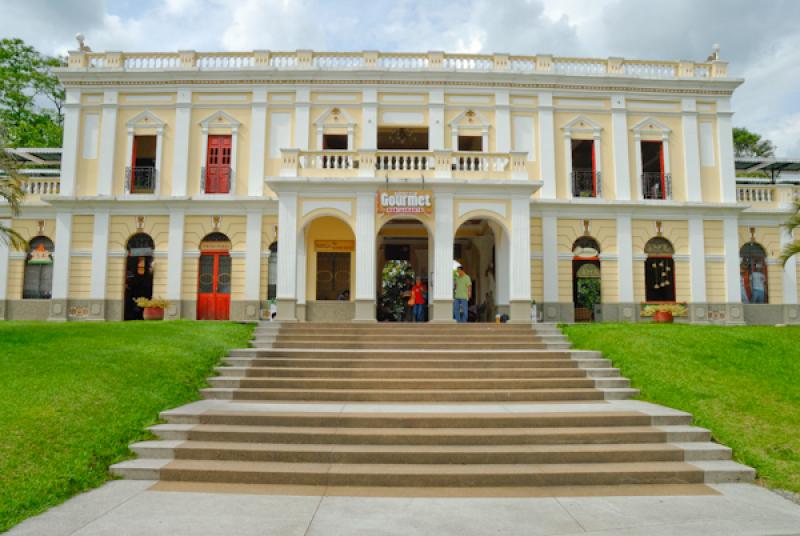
777, 196
391, 61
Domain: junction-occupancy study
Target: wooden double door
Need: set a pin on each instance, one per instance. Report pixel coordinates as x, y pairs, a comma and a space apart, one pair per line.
214, 286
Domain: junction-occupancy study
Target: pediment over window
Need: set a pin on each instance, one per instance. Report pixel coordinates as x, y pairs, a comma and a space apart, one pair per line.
335, 117
650, 125
470, 119
220, 119
582, 124
146, 119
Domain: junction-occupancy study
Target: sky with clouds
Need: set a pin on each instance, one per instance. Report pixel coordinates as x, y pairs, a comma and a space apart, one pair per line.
760, 38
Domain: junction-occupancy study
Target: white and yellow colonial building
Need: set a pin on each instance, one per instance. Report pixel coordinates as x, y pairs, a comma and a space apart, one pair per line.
228, 183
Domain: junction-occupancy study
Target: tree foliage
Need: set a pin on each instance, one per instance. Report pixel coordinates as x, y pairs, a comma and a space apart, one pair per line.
10, 191
793, 248
31, 97
750, 144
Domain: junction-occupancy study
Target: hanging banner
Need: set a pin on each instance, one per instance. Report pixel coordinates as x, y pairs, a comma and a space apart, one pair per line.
404, 202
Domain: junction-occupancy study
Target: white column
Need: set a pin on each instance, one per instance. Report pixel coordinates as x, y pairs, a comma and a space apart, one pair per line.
4, 247
568, 161
365, 246
637, 150
547, 147
443, 248
619, 133
175, 255
252, 257
108, 144
697, 259
502, 269
520, 250
61, 255
69, 155
436, 120
731, 242
789, 272
502, 122
550, 257
287, 242
691, 150
369, 119
182, 133
727, 171
302, 109
302, 265
99, 254
624, 258
258, 137
598, 164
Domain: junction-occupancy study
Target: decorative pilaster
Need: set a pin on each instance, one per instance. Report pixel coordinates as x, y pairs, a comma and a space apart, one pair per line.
302, 112
61, 261
547, 149
698, 310
443, 259
108, 144
258, 137
550, 267
369, 119
365, 257
619, 133
733, 294
97, 292
69, 154
180, 158
727, 171
691, 150
436, 120
175, 264
520, 250
252, 266
502, 122
287, 259
627, 306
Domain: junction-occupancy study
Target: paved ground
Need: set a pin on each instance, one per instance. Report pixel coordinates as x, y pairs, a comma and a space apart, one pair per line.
126, 507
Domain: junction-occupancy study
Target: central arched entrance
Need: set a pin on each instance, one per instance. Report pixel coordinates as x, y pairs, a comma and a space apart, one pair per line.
214, 278
475, 248
403, 259
138, 274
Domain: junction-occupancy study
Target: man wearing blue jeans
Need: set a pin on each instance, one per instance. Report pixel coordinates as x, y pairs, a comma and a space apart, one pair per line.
461, 295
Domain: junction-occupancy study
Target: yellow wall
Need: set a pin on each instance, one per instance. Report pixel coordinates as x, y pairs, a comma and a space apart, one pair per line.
80, 272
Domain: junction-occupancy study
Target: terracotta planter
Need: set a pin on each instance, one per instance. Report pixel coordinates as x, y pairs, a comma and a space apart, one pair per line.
153, 313
662, 317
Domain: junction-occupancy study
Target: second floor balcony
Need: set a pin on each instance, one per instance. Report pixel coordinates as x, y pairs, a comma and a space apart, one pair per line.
140, 180
656, 185
400, 164
586, 183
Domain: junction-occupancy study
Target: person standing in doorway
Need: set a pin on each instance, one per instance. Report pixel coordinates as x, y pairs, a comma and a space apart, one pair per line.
418, 293
757, 285
461, 295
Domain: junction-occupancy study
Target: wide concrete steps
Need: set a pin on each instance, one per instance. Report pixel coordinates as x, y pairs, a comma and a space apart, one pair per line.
426, 344
403, 373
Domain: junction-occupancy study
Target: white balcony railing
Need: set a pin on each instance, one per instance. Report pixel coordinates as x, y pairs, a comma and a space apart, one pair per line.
41, 185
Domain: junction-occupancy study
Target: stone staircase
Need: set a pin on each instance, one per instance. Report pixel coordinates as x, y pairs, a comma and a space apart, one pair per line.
391, 406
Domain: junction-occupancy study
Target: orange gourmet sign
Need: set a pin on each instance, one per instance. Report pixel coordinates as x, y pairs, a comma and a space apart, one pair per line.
404, 202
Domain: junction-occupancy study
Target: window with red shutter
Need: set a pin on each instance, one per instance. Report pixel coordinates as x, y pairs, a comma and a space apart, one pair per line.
218, 165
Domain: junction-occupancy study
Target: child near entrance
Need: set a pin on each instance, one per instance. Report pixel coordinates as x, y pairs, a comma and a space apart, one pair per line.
461, 295
418, 295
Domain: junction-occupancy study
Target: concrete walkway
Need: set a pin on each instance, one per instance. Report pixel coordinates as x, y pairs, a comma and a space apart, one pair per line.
129, 507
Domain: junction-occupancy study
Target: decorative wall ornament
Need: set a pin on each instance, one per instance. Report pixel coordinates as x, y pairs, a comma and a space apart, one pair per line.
658, 228
215, 221
40, 230
140, 223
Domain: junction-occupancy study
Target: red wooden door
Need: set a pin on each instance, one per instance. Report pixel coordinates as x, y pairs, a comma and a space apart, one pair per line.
218, 165
214, 286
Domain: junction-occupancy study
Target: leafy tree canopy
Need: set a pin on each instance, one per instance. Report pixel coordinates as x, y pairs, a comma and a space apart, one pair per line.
750, 144
26, 80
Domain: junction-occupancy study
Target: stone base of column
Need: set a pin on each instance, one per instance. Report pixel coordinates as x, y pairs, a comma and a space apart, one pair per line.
734, 314
301, 312
698, 313
519, 312
2, 309
364, 311
173, 311
58, 311
442, 312
558, 312
791, 314
287, 310
251, 311
96, 310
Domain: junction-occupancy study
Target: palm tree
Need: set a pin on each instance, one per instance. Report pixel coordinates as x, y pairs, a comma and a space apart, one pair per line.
793, 248
11, 192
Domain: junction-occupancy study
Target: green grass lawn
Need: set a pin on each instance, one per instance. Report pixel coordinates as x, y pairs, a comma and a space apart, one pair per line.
742, 383
75, 395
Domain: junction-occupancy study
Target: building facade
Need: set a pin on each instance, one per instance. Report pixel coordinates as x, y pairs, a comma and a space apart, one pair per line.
232, 184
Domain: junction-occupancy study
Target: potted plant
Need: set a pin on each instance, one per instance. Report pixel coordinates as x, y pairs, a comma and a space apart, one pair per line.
664, 313
153, 308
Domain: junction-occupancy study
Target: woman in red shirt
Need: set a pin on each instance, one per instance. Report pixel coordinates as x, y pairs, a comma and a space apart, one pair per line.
418, 292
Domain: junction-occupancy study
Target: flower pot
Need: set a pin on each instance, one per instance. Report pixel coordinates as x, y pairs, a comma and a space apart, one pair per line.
153, 313
663, 317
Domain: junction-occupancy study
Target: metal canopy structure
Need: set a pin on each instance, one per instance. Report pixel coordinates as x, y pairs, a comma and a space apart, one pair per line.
43, 156
771, 166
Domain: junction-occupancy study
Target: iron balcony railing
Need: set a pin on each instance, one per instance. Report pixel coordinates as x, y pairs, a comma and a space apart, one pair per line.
656, 185
140, 180
586, 183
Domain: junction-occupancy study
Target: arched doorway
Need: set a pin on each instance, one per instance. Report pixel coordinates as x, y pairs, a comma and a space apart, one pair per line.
586, 288
214, 278
476, 249
753, 272
659, 270
403, 253
138, 273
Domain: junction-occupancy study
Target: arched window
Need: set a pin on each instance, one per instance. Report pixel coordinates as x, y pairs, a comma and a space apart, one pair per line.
138, 274
38, 278
586, 247
753, 272
659, 270
586, 289
272, 271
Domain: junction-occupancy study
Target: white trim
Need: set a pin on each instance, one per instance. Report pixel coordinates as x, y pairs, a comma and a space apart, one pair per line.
175, 255
468, 206
61, 257
443, 247
435, 119
697, 259
482, 125
550, 257
69, 155
547, 147
520, 251
221, 98
180, 157
730, 240
625, 259
252, 259
342, 206
108, 144
99, 254
220, 119
322, 123
691, 150
147, 120
725, 160
287, 240
258, 140
365, 247
302, 109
